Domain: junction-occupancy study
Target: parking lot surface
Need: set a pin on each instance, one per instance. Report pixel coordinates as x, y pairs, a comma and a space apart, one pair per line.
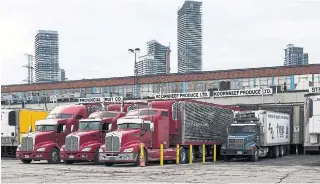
289, 169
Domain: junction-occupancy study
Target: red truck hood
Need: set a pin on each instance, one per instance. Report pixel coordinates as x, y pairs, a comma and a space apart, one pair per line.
87, 137
43, 137
129, 136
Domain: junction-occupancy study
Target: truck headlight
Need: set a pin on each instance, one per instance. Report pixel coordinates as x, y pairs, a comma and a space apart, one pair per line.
40, 149
18, 148
101, 150
223, 147
86, 149
128, 150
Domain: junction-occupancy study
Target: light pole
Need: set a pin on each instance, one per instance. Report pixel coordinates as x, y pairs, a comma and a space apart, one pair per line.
135, 51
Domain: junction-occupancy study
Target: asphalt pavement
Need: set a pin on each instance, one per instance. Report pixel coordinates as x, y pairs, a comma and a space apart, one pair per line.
288, 169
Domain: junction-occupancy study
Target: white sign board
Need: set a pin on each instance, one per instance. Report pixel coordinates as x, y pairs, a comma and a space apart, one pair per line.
183, 95
243, 92
314, 90
101, 99
296, 129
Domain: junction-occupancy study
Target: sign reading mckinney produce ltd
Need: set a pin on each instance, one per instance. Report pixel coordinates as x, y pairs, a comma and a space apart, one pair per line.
244, 92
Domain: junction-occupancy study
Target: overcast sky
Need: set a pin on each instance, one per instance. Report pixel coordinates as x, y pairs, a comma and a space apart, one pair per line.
94, 35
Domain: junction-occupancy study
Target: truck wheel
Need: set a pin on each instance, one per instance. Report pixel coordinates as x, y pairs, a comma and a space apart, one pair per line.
55, 156
68, 162
275, 151
193, 155
108, 164
26, 161
255, 156
96, 157
145, 158
281, 150
226, 158
182, 156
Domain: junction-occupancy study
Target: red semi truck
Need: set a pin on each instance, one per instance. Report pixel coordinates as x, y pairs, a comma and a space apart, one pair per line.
50, 133
169, 122
84, 144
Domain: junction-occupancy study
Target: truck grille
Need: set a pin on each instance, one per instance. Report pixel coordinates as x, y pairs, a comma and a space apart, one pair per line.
235, 143
72, 143
112, 143
27, 144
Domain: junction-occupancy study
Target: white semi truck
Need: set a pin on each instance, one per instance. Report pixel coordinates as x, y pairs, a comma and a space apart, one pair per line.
257, 134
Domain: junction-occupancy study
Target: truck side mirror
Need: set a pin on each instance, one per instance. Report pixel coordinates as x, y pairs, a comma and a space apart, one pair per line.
78, 116
310, 108
72, 127
12, 118
146, 126
104, 128
64, 129
109, 127
30, 129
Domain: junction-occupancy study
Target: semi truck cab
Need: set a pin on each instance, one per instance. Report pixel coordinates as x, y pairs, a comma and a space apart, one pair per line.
84, 144
147, 126
243, 137
256, 134
50, 133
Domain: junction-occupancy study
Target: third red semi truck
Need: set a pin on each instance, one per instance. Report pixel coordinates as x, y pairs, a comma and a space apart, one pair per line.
84, 144
167, 122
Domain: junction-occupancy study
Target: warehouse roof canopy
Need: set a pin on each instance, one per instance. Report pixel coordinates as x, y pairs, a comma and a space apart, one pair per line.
176, 77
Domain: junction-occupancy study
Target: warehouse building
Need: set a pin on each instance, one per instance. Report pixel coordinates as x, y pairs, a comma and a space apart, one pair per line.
279, 79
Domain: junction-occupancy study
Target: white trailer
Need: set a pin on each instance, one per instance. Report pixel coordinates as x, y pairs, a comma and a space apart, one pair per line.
8, 130
257, 134
312, 122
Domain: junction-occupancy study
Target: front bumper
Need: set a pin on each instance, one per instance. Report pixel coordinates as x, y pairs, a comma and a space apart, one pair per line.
237, 152
21, 155
118, 157
85, 156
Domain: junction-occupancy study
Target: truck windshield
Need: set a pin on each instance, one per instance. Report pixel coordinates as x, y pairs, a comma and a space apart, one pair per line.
44, 128
89, 125
242, 129
142, 113
59, 116
129, 126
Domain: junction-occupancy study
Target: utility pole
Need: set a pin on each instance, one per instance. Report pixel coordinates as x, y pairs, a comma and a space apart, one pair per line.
135, 51
30, 68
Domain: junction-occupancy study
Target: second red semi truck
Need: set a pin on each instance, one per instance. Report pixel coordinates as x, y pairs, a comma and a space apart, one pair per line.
84, 144
168, 122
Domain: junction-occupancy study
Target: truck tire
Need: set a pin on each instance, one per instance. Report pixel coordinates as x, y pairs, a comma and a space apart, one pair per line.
96, 157
193, 155
26, 161
145, 158
226, 158
68, 162
275, 151
182, 156
255, 156
108, 164
281, 151
55, 156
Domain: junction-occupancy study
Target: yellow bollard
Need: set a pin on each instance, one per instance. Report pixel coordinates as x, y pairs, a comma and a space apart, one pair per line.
214, 153
177, 154
203, 153
142, 164
161, 154
190, 154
